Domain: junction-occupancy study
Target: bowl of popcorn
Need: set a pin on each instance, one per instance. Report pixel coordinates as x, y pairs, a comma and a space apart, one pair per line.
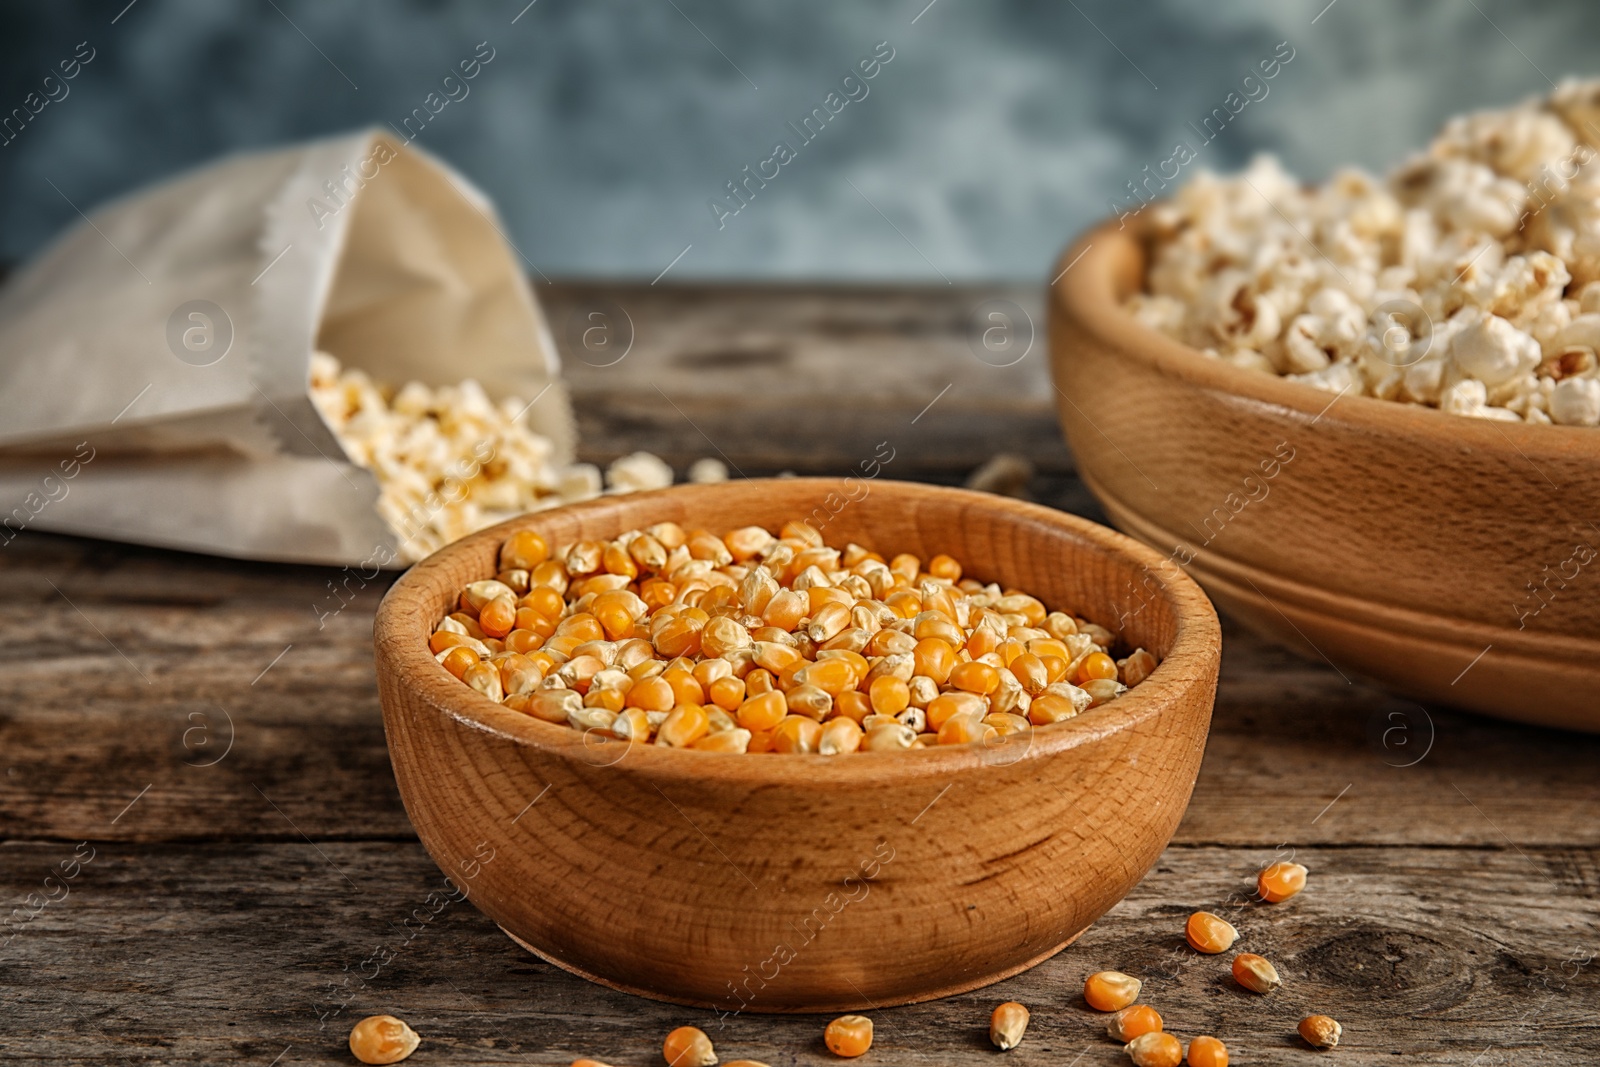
796, 744
1366, 414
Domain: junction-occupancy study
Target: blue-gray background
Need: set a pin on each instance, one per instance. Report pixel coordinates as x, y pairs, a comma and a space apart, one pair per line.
602, 127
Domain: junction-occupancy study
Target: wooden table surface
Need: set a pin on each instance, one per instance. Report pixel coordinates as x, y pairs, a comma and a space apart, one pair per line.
202, 766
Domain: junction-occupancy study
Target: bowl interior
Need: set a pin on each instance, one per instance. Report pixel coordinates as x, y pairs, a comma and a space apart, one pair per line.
1069, 563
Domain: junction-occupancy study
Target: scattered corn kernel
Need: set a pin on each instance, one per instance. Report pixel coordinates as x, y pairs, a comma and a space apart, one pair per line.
1255, 973
1207, 1051
688, 1046
1008, 1022
1209, 933
848, 1035
1132, 1021
755, 642
385, 1039
1320, 1031
1155, 1049
1110, 990
1281, 881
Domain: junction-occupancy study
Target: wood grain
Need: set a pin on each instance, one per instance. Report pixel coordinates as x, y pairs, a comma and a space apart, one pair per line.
208, 926
1432, 552
158, 957
810, 379
680, 874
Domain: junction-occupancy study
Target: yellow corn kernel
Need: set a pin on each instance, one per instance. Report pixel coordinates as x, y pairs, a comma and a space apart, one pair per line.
457, 659
1009, 1020
848, 1035
942, 708
1207, 1051
382, 1039
1255, 973
723, 635
1005, 723
1029, 671
1320, 1031
727, 692
974, 677
708, 671
1280, 881
1110, 990
687, 1046
796, 734
1130, 1022
853, 704
632, 724
652, 694
734, 740
763, 711
1048, 708
524, 550
785, 610
934, 658
683, 726
685, 690
906, 566
808, 700
1209, 933
1134, 669
889, 695
965, 730
1094, 666
833, 676
840, 737
1155, 1049
889, 737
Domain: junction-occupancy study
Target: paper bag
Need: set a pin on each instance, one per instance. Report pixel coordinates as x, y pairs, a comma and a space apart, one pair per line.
154, 361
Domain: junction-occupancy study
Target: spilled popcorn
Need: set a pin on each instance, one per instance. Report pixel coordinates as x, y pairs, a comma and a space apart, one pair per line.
1468, 280
450, 461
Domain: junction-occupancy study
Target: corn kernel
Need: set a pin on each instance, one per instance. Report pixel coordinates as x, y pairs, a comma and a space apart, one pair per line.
1156, 1049
756, 643
1209, 933
840, 736
382, 1039
1132, 1021
1009, 1020
1207, 1051
797, 734
1320, 1031
1110, 990
688, 1046
848, 1035
1280, 881
1255, 973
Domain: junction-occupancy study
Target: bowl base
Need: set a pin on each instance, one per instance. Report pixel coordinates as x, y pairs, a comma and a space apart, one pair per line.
820, 1005
1415, 654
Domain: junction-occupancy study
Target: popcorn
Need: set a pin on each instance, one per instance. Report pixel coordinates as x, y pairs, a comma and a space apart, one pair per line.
1467, 280
1576, 402
637, 472
450, 461
1493, 351
708, 470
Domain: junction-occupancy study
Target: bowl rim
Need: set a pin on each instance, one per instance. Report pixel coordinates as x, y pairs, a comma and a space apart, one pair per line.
1092, 297
401, 627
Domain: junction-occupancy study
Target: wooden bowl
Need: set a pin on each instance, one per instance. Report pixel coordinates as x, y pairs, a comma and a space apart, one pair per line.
1438, 554
804, 882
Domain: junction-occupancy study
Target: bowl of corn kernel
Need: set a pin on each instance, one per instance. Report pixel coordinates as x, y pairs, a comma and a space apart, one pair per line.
1365, 413
791, 744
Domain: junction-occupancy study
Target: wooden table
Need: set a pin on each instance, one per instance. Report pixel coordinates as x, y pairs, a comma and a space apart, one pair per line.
207, 762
